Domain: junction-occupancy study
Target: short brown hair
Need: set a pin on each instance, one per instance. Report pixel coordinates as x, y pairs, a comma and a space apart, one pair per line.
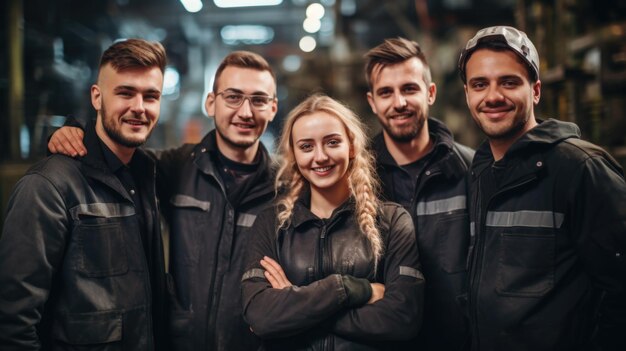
135, 53
242, 59
391, 52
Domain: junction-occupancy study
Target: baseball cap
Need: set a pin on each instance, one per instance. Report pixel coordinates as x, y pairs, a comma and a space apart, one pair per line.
512, 38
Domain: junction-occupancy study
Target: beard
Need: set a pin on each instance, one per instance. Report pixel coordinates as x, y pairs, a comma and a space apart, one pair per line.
114, 131
405, 134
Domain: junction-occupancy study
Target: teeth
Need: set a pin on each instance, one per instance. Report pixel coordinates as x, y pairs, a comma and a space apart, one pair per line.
321, 169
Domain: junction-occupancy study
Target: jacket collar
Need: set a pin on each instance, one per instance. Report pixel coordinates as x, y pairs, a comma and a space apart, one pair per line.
444, 160
440, 134
526, 154
302, 213
95, 166
205, 158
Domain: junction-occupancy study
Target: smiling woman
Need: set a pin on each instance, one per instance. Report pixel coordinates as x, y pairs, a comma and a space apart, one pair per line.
316, 277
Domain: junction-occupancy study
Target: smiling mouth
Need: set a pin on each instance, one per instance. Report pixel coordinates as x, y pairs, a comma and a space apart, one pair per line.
244, 125
401, 117
322, 169
135, 122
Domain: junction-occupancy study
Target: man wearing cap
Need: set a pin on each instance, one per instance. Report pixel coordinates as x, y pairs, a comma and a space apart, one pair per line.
547, 268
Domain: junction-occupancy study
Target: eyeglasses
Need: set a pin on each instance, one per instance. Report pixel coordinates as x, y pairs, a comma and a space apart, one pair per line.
234, 100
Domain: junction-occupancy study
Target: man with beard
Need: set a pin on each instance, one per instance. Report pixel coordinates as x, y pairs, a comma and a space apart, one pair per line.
81, 258
423, 169
211, 195
547, 267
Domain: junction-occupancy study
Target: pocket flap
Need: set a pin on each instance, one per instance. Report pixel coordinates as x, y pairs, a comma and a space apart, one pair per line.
89, 328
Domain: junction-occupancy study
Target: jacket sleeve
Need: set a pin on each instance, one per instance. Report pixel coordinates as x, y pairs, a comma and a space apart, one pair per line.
398, 315
31, 250
284, 312
599, 223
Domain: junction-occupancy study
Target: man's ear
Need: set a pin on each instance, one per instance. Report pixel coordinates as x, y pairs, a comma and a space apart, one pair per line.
96, 97
432, 93
536, 92
209, 104
273, 109
370, 100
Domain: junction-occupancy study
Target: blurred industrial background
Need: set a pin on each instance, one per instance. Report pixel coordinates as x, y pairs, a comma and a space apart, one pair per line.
49, 53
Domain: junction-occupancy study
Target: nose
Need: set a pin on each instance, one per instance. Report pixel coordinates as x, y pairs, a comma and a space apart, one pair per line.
320, 155
245, 110
399, 101
494, 95
137, 106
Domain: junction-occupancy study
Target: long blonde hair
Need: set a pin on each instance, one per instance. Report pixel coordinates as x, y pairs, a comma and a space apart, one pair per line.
362, 181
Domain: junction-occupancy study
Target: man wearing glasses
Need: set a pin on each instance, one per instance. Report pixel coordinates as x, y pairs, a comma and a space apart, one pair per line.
211, 193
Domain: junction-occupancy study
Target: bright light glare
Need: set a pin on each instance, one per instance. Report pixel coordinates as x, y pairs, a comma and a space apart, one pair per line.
171, 79
315, 10
292, 63
192, 6
247, 34
246, 3
311, 25
307, 43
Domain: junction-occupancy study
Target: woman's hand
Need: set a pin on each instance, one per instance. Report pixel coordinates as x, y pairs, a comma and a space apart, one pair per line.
378, 292
275, 274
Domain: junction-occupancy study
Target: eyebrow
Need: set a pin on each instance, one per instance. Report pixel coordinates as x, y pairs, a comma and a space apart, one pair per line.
323, 138
132, 88
241, 92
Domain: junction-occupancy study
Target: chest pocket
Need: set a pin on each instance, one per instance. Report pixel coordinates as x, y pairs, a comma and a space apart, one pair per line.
451, 230
102, 234
526, 251
189, 222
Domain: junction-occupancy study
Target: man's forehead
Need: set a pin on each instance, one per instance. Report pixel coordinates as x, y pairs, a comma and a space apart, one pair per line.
110, 73
380, 72
247, 80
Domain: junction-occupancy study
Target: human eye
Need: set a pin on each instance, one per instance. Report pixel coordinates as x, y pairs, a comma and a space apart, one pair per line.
510, 83
478, 85
125, 93
152, 97
305, 147
334, 142
259, 100
233, 98
384, 93
410, 89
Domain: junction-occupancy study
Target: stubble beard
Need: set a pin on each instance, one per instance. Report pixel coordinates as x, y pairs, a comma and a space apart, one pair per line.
114, 132
513, 131
408, 134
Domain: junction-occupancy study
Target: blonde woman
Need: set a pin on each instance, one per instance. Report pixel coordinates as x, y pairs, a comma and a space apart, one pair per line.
331, 267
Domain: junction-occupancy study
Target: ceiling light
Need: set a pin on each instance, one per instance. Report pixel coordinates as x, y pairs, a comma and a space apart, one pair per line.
192, 6
247, 34
311, 25
315, 10
246, 3
307, 43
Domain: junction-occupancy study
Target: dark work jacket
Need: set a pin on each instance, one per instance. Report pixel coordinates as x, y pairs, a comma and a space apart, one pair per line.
208, 236
547, 264
439, 212
315, 253
73, 271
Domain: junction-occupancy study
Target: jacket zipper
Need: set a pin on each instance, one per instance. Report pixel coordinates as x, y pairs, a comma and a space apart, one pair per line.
321, 250
478, 251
